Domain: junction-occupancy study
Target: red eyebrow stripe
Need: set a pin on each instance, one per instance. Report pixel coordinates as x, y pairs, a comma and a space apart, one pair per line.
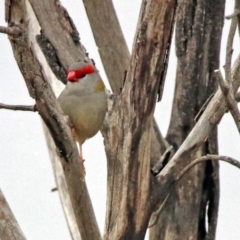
88, 69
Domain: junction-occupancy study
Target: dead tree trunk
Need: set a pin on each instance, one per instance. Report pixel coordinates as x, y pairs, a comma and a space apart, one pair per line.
198, 37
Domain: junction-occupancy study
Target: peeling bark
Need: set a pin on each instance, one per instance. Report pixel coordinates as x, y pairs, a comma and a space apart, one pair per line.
68, 48
116, 57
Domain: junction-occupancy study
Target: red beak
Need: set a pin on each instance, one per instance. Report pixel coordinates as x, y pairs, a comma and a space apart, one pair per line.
72, 76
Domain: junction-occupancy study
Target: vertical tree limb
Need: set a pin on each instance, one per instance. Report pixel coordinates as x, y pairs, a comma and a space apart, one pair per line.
52, 115
128, 134
55, 160
115, 56
198, 30
109, 39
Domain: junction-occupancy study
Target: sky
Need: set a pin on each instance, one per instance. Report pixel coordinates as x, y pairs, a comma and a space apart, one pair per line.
26, 176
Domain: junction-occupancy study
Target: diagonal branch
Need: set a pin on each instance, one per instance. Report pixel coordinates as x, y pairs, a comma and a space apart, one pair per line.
210, 117
51, 113
9, 228
226, 86
30, 108
229, 52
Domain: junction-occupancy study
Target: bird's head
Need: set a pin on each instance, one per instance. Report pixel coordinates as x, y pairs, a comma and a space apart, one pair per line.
79, 70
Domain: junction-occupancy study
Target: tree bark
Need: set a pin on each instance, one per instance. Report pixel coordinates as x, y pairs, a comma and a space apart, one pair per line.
57, 88
9, 228
209, 119
130, 118
198, 39
133, 192
110, 41
52, 115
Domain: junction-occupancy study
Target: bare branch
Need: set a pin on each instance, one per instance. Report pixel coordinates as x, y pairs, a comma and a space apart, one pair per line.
237, 96
61, 187
52, 115
9, 228
230, 160
223, 85
12, 31
237, 7
233, 15
202, 109
210, 117
68, 49
30, 108
134, 134
227, 86
107, 32
229, 51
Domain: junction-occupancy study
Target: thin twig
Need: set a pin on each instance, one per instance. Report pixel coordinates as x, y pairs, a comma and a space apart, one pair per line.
31, 108
230, 160
12, 31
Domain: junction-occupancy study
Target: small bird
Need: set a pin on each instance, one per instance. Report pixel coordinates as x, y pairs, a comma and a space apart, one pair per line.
84, 101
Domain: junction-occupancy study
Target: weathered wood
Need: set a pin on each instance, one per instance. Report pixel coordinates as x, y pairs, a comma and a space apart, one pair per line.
116, 58
128, 134
52, 115
55, 22
209, 119
198, 38
109, 39
9, 228
62, 187
55, 160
